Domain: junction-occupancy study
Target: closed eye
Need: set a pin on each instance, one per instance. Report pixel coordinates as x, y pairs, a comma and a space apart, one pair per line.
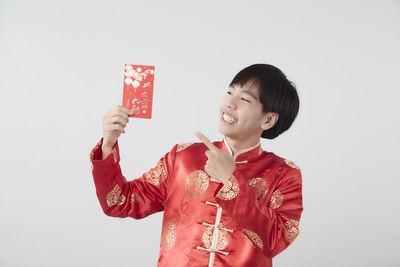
230, 93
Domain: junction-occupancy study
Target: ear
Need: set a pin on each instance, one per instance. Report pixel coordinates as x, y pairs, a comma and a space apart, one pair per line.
270, 119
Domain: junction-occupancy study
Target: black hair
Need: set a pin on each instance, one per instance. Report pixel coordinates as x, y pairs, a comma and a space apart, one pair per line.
277, 94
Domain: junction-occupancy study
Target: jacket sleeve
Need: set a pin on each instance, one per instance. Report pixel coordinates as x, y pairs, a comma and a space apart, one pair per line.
269, 220
137, 198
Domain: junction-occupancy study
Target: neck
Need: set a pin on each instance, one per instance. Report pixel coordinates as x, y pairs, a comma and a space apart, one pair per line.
238, 145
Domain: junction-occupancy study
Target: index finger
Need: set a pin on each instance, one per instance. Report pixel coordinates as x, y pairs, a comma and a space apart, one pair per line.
125, 109
206, 141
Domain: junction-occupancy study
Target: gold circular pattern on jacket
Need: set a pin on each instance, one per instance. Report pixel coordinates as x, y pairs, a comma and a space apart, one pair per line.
114, 151
158, 174
181, 147
196, 183
136, 198
255, 238
260, 187
276, 200
230, 189
291, 230
168, 236
291, 164
114, 197
91, 155
222, 240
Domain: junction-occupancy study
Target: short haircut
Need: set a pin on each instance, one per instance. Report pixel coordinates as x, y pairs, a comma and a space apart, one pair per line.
277, 94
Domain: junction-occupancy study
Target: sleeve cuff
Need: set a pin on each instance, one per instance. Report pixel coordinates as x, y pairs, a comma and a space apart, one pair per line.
96, 155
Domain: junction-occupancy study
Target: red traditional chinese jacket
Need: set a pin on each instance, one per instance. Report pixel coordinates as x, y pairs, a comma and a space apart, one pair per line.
244, 222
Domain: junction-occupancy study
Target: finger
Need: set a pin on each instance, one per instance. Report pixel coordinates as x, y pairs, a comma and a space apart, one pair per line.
118, 120
121, 116
206, 141
206, 168
207, 153
117, 111
115, 128
125, 110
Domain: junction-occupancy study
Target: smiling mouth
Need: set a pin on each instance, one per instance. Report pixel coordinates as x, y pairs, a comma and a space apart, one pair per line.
228, 118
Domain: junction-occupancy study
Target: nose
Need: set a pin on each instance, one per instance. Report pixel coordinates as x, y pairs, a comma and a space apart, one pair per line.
230, 102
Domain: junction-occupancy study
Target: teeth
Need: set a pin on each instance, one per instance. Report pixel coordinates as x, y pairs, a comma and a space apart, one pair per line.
228, 118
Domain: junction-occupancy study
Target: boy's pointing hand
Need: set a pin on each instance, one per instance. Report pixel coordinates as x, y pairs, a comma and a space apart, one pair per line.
220, 165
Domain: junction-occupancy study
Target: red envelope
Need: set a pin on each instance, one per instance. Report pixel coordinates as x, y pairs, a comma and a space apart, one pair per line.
138, 90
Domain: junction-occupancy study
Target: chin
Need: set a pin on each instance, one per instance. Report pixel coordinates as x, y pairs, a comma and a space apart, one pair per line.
224, 131
220, 130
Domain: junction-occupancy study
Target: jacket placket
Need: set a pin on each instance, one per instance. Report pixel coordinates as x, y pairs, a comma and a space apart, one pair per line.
217, 226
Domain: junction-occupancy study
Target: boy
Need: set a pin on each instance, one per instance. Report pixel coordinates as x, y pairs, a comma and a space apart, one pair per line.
227, 203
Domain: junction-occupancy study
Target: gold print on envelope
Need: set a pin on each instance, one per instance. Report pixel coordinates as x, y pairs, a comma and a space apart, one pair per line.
181, 147
255, 238
196, 183
158, 174
276, 200
230, 189
291, 164
222, 240
291, 230
168, 236
115, 197
260, 187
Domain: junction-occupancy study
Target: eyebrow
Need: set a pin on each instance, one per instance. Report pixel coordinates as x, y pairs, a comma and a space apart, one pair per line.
247, 92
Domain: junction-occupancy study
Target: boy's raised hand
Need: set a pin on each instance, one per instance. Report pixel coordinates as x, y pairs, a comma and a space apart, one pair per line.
114, 122
220, 165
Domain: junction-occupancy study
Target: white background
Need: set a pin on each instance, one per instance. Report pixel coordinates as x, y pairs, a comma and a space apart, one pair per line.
61, 70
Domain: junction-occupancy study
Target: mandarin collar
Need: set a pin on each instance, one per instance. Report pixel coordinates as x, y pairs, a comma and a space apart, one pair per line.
242, 156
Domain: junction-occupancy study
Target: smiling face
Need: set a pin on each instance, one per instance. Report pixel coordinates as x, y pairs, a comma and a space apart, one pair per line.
241, 114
